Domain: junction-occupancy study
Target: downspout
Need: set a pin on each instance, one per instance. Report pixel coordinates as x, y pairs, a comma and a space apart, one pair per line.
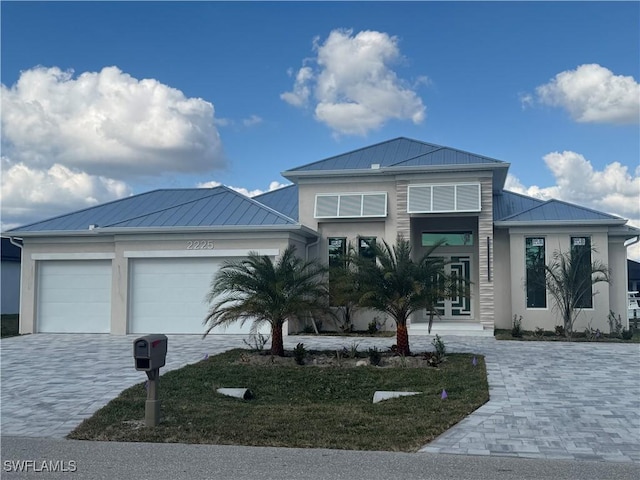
13, 242
631, 241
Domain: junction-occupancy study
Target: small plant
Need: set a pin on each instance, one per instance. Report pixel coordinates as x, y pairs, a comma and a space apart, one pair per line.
375, 356
439, 345
299, 353
257, 343
308, 330
352, 351
559, 330
436, 358
590, 334
615, 324
539, 333
516, 330
372, 327
627, 334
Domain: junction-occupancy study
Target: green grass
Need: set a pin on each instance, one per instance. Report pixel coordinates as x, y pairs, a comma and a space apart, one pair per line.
297, 406
8, 325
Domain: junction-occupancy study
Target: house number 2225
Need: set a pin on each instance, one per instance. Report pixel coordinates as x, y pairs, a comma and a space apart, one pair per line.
199, 244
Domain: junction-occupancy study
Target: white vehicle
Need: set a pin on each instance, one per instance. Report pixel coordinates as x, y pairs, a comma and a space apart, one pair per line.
633, 306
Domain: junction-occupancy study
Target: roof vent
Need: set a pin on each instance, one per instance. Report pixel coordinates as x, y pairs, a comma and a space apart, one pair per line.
375, 166
93, 226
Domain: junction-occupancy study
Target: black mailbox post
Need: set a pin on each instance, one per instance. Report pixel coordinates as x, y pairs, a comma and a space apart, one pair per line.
149, 354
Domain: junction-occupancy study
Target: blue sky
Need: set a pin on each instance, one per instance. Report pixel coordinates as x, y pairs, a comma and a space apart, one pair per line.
551, 87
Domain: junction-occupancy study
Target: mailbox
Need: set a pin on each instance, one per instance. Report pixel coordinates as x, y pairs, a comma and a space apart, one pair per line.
150, 352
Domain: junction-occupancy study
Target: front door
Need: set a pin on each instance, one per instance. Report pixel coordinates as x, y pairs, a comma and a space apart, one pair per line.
459, 307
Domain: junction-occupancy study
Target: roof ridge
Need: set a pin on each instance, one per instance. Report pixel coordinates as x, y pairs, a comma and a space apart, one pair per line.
262, 205
213, 193
359, 149
544, 202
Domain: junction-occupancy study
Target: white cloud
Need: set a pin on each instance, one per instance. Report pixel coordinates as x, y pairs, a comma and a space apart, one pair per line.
274, 185
30, 194
70, 142
353, 87
593, 94
614, 189
107, 123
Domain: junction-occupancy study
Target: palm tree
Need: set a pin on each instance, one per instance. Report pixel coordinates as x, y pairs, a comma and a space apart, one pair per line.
569, 279
397, 285
257, 290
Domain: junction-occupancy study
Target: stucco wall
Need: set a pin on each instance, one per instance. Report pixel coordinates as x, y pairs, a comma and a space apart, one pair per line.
557, 239
121, 248
502, 278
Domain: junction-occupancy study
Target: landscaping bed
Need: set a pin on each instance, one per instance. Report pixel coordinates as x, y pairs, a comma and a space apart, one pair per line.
325, 403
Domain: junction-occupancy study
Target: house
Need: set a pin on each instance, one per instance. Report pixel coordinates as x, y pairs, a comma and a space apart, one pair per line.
633, 269
10, 281
144, 263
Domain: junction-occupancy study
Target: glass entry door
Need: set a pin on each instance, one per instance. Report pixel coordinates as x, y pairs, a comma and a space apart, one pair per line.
459, 307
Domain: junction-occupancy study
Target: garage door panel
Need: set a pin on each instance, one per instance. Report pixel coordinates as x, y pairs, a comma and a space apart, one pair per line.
167, 295
74, 296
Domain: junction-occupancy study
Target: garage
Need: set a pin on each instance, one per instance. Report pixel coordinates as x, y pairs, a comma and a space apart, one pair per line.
74, 296
167, 295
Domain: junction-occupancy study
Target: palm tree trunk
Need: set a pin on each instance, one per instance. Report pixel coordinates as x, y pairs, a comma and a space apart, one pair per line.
402, 339
277, 344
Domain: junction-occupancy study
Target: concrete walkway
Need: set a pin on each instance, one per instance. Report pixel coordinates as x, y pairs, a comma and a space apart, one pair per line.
548, 400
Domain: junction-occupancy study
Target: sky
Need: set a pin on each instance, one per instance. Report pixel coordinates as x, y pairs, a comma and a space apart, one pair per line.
102, 100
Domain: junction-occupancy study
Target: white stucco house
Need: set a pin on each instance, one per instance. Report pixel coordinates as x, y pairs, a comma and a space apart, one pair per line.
143, 264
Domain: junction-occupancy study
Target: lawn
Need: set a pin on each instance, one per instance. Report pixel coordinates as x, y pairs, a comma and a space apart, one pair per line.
298, 406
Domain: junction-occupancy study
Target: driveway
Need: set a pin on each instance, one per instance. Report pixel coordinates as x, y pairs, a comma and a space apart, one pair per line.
548, 400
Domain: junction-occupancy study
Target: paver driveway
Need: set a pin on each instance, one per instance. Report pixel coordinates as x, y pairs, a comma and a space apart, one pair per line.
551, 400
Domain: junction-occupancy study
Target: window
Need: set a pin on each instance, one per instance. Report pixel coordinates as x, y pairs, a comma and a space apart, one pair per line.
366, 247
581, 258
337, 251
351, 205
462, 197
535, 273
452, 239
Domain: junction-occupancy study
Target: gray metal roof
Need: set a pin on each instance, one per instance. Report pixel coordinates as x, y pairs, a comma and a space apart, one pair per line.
398, 152
215, 207
506, 204
557, 211
283, 200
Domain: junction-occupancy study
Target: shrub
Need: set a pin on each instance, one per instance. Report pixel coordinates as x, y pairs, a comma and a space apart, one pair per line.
375, 356
440, 347
560, 330
516, 330
352, 351
299, 353
539, 332
372, 327
627, 334
258, 341
615, 324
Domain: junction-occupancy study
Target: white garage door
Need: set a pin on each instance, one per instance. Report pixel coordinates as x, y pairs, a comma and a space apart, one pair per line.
74, 296
167, 295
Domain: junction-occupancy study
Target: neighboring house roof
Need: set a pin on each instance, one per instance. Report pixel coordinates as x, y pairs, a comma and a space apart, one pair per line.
402, 154
10, 253
164, 209
283, 200
559, 212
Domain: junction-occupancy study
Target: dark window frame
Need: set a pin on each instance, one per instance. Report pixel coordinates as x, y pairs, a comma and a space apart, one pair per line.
535, 273
581, 252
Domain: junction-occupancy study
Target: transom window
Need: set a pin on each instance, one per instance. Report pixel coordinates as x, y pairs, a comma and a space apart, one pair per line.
448, 239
